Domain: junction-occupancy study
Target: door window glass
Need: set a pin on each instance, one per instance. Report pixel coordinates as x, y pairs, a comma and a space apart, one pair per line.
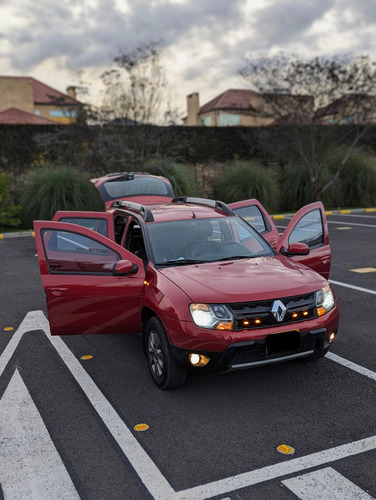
97, 225
253, 216
69, 252
309, 230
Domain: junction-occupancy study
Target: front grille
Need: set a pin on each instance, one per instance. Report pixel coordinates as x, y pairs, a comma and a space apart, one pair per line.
258, 314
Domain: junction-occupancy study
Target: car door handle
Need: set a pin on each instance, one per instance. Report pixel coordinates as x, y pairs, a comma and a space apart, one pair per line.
325, 260
58, 291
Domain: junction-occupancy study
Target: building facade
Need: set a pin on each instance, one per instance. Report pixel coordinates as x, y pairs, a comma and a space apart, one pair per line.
28, 96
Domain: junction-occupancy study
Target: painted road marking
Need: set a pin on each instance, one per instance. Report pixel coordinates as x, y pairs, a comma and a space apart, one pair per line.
30, 465
359, 288
146, 469
363, 270
352, 366
325, 483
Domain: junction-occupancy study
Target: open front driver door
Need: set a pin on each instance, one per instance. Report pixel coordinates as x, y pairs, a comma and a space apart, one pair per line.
92, 285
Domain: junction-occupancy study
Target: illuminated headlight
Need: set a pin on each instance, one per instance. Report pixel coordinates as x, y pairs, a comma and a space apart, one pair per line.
324, 300
213, 316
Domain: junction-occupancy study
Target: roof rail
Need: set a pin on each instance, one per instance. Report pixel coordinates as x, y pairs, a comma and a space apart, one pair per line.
216, 204
144, 211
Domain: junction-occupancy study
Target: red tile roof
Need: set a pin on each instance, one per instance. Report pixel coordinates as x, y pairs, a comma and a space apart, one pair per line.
43, 94
15, 116
231, 99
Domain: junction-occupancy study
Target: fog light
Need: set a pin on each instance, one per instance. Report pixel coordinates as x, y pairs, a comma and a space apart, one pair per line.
332, 336
198, 359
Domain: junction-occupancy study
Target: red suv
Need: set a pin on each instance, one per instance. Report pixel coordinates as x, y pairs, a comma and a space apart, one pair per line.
202, 286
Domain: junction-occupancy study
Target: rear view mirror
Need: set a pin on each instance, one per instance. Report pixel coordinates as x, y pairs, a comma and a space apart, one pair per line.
296, 249
123, 267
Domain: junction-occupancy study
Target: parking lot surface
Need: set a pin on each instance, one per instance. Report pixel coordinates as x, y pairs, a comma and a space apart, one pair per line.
70, 407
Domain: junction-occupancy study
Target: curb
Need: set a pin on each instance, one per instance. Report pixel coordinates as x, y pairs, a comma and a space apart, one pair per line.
16, 235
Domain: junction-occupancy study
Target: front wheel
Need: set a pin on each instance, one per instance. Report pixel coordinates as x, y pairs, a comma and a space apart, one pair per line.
164, 369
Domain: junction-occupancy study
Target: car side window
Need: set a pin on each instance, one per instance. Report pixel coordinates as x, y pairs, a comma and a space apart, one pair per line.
98, 225
74, 253
253, 216
309, 230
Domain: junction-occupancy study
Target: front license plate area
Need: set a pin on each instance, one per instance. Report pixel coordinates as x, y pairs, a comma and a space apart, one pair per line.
281, 342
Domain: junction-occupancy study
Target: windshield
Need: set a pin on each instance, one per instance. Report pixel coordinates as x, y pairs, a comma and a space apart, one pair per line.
123, 187
205, 240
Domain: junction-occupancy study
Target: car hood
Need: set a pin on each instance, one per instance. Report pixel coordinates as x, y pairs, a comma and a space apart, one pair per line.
244, 280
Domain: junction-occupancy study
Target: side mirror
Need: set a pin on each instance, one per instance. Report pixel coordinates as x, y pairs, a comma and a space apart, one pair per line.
123, 267
295, 249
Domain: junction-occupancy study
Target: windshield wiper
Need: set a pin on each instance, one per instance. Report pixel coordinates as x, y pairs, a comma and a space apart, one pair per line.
180, 262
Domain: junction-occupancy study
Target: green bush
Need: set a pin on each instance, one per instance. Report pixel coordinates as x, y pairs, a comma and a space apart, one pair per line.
8, 210
57, 188
358, 181
244, 180
181, 178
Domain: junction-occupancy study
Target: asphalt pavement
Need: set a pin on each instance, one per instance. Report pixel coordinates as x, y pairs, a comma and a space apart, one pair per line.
71, 421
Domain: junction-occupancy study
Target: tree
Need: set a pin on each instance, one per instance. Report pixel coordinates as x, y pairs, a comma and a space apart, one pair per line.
306, 96
133, 90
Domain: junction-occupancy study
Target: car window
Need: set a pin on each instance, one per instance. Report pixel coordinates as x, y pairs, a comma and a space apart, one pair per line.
70, 252
124, 187
309, 230
253, 216
98, 225
205, 239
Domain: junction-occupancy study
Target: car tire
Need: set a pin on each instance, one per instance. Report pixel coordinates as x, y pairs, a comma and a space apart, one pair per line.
164, 369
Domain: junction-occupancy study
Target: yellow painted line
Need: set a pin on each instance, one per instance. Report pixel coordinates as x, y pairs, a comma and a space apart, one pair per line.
8, 329
370, 209
33, 234
141, 427
278, 217
1, 236
87, 356
286, 449
344, 211
364, 270
329, 212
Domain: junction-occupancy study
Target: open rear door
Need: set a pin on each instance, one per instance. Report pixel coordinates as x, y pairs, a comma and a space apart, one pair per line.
92, 284
309, 226
255, 214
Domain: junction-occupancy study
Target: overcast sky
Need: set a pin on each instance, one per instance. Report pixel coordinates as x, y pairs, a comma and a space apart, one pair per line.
204, 41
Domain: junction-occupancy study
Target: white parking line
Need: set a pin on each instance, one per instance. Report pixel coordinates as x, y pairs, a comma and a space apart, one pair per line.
359, 288
350, 223
145, 468
325, 484
352, 366
30, 465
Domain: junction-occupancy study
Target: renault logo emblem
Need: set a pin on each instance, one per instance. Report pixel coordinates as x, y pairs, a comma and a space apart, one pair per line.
279, 310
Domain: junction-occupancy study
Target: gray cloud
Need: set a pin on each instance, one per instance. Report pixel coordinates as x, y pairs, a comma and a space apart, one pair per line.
80, 35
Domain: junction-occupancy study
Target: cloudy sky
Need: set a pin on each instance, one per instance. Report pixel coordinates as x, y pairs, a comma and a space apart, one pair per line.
205, 42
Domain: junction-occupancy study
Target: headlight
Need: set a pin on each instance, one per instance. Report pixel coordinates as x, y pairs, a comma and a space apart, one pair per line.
213, 316
324, 300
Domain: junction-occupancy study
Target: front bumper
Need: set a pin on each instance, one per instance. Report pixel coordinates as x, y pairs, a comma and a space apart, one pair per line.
274, 348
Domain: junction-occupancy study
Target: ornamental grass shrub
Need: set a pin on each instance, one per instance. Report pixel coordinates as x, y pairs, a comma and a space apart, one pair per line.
358, 181
57, 188
9, 211
180, 176
243, 180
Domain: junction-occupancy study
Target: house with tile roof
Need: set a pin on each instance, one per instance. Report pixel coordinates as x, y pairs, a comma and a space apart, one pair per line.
21, 97
245, 108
